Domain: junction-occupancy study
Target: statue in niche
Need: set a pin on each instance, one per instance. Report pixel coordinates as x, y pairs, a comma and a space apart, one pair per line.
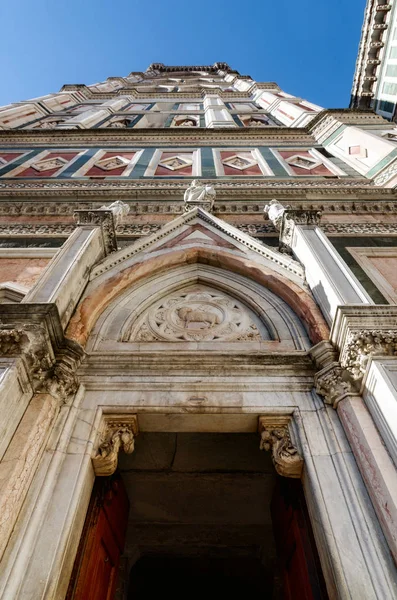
198, 194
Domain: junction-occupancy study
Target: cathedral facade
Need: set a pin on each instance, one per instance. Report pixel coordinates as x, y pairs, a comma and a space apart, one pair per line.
198, 341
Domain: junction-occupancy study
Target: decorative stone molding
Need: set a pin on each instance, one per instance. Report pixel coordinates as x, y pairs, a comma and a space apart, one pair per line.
29, 341
361, 331
334, 383
107, 218
386, 174
361, 345
275, 437
103, 219
34, 334
118, 434
199, 195
138, 230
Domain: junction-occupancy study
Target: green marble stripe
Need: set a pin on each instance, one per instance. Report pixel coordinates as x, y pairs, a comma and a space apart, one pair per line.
207, 163
273, 163
334, 135
139, 170
385, 161
19, 161
68, 172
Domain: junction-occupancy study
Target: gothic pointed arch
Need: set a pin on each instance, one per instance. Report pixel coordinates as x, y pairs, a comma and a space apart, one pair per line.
198, 303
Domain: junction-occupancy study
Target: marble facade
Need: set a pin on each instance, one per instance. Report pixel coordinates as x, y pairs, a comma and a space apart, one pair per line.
215, 316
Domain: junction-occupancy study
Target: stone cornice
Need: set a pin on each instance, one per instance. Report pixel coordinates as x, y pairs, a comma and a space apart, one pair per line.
135, 230
104, 369
147, 137
347, 116
135, 189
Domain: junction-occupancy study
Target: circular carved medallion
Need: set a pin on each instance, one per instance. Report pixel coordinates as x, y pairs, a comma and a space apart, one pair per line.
196, 315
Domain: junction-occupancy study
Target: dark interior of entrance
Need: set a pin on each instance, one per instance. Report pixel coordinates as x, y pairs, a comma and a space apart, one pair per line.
200, 515
197, 513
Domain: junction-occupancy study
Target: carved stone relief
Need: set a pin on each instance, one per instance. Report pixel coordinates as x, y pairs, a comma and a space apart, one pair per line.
198, 314
275, 437
117, 435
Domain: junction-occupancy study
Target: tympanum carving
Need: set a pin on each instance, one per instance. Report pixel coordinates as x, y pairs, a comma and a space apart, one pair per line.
197, 315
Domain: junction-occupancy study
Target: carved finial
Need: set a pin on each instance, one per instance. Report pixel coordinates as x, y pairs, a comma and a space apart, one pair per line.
286, 458
117, 436
119, 210
198, 194
275, 212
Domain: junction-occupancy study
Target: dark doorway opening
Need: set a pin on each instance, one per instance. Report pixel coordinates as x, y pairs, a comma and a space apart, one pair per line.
207, 577
201, 514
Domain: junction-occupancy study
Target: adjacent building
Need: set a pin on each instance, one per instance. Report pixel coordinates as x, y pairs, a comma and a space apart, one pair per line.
198, 340
375, 78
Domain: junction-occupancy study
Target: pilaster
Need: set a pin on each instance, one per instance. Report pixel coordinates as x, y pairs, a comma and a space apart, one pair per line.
329, 278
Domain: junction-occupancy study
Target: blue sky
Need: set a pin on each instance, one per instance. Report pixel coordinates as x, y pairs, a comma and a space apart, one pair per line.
309, 48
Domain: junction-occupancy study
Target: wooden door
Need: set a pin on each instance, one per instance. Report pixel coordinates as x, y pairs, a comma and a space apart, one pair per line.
95, 570
301, 573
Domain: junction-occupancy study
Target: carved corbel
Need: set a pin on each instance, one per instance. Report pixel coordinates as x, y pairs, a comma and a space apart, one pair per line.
107, 218
275, 436
334, 383
118, 435
285, 219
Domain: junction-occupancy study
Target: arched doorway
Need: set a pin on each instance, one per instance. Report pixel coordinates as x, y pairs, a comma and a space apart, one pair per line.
207, 512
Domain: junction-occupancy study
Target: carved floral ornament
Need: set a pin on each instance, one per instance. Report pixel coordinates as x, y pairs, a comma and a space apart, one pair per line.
118, 433
54, 374
275, 437
361, 345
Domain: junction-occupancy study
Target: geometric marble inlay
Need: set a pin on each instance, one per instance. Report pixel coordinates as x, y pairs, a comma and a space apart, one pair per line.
303, 162
239, 162
112, 162
49, 164
173, 163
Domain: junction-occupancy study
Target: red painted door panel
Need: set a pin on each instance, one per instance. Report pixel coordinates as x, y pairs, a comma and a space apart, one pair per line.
297, 553
96, 566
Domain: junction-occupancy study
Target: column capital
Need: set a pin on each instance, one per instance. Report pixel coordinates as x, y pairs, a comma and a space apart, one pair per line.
33, 333
335, 383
